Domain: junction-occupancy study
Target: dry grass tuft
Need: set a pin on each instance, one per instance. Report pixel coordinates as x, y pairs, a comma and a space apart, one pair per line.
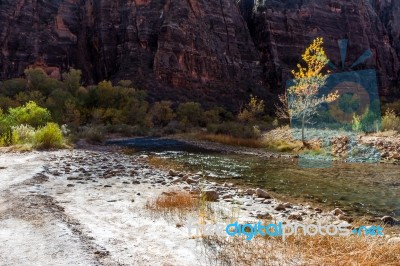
166, 164
173, 203
233, 141
281, 145
301, 250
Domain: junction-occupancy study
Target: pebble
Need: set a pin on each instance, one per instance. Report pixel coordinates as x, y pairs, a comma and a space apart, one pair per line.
210, 195
337, 212
295, 216
280, 207
191, 181
250, 191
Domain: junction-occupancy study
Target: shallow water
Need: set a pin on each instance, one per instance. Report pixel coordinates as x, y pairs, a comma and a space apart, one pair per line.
360, 189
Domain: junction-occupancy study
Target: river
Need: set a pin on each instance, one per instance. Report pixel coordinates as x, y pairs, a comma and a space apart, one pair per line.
361, 189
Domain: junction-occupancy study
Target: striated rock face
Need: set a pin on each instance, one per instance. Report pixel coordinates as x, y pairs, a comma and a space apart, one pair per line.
282, 29
198, 49
203, 50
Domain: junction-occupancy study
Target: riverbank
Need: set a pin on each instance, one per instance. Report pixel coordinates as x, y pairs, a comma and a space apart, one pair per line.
87, 207
361, 189
81, 207
381, 147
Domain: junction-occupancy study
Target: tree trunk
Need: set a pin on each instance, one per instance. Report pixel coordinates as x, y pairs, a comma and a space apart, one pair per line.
302, 128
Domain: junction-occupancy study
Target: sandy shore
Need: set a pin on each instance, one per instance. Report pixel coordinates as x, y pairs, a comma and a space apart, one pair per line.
48, 217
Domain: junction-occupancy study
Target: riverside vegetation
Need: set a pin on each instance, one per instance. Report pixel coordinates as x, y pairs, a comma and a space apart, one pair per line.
33, 107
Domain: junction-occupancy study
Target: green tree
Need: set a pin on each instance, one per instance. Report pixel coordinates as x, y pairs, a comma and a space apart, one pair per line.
13, 86
252, 111
29, 114
190, 113
72, 80
27, 96
38, 80
161, 113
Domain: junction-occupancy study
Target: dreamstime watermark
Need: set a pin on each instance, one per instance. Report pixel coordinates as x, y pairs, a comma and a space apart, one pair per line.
249, 231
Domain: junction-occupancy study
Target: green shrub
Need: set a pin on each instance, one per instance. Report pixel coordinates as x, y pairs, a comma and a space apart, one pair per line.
72, 80
38, 80
371, 121
161, 113
190, 114
13, 86
234, 129
48, 137
94, 134
252, 111
356, 124
216, 115
390, 121
30, 114
23, 134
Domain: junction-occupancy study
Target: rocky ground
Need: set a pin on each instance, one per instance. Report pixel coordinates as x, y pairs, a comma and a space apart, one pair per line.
86, 207
352, 147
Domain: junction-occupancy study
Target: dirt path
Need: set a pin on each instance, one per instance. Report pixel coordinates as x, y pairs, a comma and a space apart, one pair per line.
62, 208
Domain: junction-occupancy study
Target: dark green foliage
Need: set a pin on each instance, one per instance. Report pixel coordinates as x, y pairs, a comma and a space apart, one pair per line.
161, 114
13, 86
233, 129
191, 114
117, 109
72, 80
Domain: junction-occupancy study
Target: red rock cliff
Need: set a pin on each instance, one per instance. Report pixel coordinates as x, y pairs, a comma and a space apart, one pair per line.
205, 50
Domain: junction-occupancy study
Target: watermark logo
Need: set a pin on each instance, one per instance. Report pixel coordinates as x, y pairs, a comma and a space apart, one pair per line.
284, 230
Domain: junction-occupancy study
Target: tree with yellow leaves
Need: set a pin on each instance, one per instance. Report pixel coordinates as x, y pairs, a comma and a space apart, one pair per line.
303, 96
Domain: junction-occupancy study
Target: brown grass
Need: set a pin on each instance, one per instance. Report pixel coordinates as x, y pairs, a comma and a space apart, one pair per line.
281, 145
173, 203
166, 164
233, 141
301, 250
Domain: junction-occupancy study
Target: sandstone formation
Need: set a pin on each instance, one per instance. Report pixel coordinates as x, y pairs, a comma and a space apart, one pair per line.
203, 50
282, 29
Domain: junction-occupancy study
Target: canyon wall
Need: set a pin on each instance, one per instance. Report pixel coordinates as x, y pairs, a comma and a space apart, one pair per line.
203, 50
